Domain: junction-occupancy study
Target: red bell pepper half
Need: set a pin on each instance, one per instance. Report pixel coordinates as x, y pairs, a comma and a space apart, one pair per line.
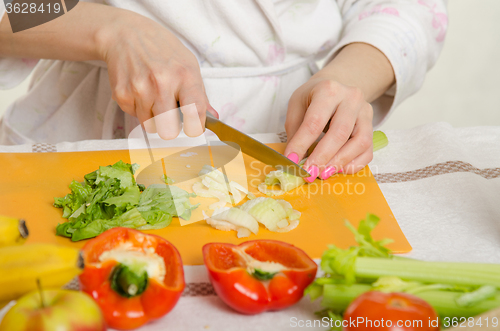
127, 295
258, 275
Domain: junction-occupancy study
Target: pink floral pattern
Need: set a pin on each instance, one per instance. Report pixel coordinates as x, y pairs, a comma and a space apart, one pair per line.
378, 10
439, 20
275, 54
273, 79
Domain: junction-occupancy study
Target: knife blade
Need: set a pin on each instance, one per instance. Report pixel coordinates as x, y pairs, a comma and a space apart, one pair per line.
253, 147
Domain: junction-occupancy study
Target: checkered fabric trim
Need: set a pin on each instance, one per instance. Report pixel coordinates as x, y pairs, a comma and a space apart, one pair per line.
72, 285
198, 290
191, 290
283, 137
43, 148
435, 170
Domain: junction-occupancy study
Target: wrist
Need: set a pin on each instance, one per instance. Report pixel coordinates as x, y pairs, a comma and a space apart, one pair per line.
118, 24
363, 66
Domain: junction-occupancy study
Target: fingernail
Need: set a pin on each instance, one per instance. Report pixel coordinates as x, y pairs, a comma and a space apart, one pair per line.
313, 171
293, 157
327, 173
340, 171
215, 111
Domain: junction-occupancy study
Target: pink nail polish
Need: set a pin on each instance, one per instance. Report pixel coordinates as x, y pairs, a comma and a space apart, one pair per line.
340, 171
293, 157
313, 171
327, 173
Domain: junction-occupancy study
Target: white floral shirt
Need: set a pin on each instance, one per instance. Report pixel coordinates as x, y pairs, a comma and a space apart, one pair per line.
253, 54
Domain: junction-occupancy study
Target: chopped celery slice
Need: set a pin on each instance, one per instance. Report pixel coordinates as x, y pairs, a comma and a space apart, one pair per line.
275, 215
235, 217
379, 140
215, 185
286, 181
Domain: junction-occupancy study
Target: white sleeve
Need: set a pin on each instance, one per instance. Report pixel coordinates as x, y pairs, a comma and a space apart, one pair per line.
409, 32
13, 71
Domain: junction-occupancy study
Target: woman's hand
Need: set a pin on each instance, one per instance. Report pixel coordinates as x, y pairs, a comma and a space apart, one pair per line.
338, 96
347, 144
150, 71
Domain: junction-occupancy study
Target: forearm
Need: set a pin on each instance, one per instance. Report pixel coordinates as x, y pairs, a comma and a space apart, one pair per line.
76, 36
362, 66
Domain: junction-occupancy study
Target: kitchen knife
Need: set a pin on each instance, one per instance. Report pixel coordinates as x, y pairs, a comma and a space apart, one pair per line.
253, 147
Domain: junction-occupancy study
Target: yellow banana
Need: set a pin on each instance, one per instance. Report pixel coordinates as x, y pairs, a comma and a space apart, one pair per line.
21, 266
12, 231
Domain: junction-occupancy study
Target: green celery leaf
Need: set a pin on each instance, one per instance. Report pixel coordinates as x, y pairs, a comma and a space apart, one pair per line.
362, 235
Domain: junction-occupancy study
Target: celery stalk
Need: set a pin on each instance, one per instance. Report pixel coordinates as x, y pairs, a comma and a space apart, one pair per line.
454, 273
379, 140
338, 297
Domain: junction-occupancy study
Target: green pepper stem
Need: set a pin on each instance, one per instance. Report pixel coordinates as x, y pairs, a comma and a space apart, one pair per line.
127, 282
263, 275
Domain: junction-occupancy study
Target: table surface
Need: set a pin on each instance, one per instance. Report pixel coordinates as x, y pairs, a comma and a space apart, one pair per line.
442, 184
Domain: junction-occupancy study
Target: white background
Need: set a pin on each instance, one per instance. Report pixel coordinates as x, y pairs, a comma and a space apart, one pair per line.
462, 89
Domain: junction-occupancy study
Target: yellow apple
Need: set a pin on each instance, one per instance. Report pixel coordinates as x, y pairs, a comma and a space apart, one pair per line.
61, 310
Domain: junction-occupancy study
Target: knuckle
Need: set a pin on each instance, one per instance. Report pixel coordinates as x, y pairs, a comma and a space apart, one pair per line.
365, 141
343, 133
314, 125
121, 96
160, 78
330, 87
140, 87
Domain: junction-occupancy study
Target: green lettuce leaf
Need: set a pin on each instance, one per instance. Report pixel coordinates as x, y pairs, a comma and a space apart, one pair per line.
109, 197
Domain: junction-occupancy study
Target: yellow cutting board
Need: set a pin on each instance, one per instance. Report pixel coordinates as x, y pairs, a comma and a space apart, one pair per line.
30, 181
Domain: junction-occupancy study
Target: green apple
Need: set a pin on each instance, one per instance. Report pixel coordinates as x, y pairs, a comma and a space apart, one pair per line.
59, 310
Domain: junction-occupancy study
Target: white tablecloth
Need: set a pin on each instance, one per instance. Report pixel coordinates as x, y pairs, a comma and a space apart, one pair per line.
442, 184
